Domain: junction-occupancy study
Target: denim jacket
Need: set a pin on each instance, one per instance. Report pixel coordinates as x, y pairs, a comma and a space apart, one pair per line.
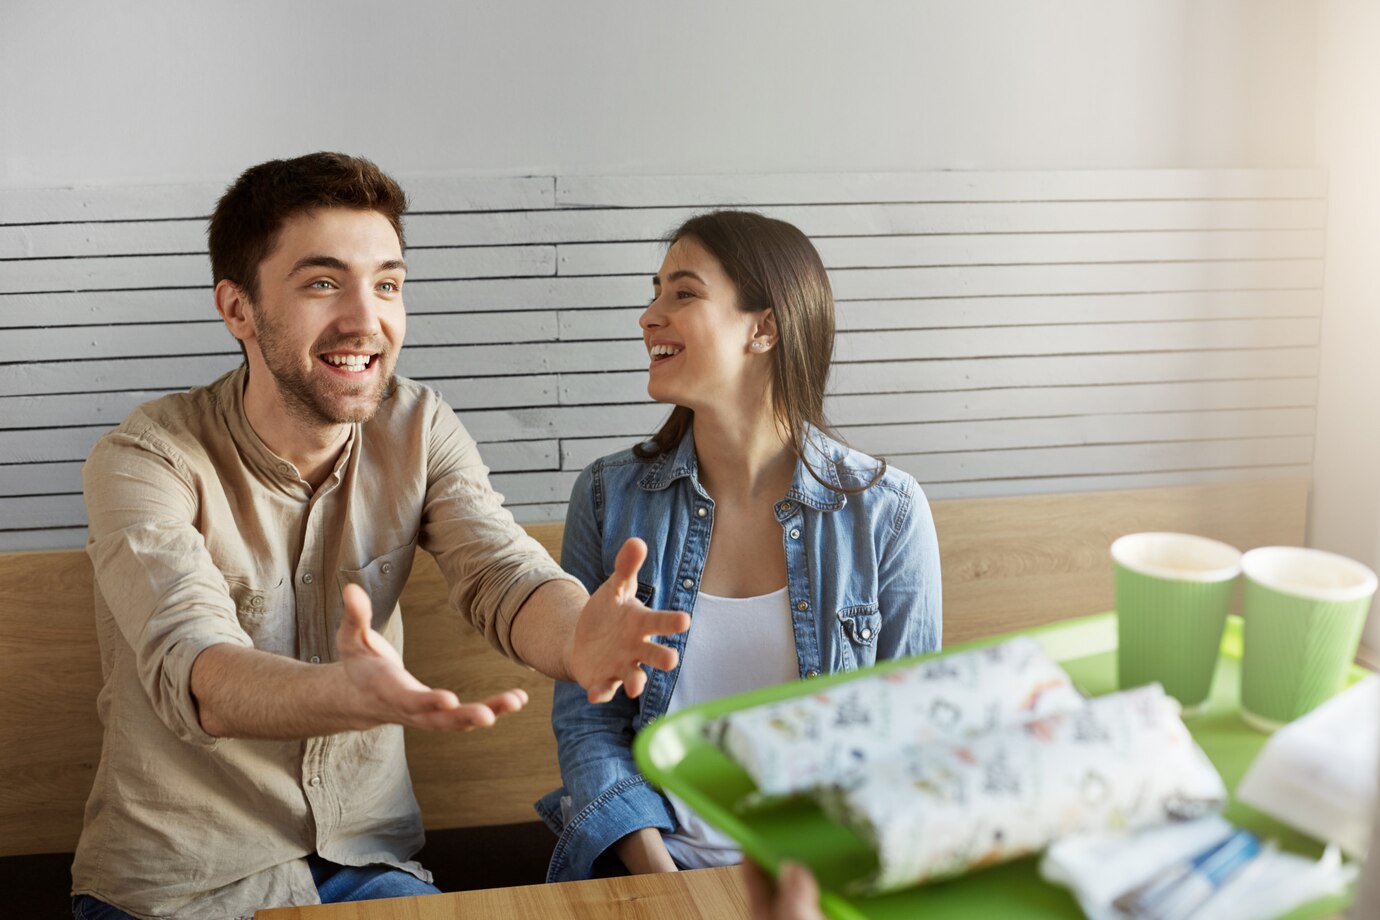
862, 572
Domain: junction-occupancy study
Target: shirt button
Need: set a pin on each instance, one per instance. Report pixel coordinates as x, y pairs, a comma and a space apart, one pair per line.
316, 781
866, 633
702, 511
795, 533
784, 507
386, 568
802, 605
256, 601
811, 674
307, 579
688, 583
315, 659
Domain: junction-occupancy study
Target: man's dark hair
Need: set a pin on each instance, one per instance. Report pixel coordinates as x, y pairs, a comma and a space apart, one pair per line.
244, 228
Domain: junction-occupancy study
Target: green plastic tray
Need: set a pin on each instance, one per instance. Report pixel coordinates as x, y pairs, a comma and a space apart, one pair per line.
675, 755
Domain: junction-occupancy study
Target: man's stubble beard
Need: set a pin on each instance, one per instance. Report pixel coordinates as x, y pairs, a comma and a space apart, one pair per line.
302, 395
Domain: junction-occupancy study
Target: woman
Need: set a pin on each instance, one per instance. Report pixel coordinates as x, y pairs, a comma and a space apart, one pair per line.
795, 555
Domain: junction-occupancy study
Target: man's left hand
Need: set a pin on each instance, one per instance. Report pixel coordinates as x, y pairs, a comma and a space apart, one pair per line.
613, 636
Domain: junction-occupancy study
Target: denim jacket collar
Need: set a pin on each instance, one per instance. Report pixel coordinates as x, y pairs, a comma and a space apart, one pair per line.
821, 452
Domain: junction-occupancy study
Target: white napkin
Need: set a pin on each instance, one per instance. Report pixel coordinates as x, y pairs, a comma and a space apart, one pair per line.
1318, 773
1098, 868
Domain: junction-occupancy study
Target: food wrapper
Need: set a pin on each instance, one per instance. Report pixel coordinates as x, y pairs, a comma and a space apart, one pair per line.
1120, 762
833, 737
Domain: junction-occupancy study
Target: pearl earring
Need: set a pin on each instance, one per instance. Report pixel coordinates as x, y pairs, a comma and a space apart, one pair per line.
758, 345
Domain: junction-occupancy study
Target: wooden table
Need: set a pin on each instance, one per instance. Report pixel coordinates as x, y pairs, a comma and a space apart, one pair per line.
716, 893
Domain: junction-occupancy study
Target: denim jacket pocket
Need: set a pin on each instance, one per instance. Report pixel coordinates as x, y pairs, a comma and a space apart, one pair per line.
860, 625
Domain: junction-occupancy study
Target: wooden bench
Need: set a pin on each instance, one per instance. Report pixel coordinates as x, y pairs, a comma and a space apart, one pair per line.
1008, 563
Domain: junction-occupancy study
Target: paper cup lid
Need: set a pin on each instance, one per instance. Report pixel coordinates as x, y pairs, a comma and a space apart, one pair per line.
1309, 573
1180, 556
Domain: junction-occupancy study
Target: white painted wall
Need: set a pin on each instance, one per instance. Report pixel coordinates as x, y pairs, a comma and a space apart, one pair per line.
167, 91
1346, 496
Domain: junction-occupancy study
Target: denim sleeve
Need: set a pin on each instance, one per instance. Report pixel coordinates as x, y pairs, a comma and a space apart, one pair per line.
909, 586
608, 797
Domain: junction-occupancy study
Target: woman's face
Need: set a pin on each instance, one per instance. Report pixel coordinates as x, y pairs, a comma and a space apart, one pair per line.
699, 343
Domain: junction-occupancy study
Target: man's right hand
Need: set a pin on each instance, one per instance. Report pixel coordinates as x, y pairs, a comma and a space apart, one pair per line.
387, 692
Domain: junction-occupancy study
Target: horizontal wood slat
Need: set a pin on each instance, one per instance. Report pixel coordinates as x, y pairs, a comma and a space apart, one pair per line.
1163, 323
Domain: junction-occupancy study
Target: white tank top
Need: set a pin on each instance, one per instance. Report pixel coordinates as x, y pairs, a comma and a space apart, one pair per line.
735, 644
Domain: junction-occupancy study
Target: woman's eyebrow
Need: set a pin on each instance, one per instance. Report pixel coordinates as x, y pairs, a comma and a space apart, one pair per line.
677, 275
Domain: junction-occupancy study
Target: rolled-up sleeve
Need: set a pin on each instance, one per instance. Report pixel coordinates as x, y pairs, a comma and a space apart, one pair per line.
166, 596
490, 563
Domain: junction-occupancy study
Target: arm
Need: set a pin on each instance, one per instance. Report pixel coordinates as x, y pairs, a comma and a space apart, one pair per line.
909, 588
602, 640
506, 585
594, 741
246, 693
172, 607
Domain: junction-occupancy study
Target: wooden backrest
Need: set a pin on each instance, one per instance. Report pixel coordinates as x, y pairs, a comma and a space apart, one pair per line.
1008, 563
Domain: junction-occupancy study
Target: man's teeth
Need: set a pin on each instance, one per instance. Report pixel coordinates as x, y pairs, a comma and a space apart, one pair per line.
354, 363
661, 351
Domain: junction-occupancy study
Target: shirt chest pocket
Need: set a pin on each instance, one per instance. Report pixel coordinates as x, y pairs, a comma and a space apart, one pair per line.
858, 628
267, 613
383, 579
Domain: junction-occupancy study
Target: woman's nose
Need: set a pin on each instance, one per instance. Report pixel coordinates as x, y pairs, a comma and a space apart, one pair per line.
651, 317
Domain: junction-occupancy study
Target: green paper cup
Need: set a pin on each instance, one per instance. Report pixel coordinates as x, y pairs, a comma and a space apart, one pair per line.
1304, 610
1172, 595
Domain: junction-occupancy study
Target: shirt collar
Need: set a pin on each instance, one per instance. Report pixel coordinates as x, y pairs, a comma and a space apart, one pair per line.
823, 453
270, 467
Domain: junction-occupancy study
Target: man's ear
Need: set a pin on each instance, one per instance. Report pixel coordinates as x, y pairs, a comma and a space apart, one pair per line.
233, 306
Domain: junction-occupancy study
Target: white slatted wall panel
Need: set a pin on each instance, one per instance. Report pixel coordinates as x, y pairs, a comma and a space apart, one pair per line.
999, 333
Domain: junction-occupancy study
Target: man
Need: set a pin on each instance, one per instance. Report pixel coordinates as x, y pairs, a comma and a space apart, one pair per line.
250, 540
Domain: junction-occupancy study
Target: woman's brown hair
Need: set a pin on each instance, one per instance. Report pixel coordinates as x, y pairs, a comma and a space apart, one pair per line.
774, 267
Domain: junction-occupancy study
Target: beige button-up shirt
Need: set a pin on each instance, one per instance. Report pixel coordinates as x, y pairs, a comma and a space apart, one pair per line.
200, 535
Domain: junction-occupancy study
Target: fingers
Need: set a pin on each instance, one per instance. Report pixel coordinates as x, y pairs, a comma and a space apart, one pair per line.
602, 693
357, 616
799, 892
634, 682
506, 702
626, 567
467, 716
758, 890
663, 622
658, 656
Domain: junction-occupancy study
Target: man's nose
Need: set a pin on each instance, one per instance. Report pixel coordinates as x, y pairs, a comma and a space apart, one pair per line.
359, 312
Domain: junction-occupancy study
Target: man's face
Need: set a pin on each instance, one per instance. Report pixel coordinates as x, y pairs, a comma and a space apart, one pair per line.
329, 318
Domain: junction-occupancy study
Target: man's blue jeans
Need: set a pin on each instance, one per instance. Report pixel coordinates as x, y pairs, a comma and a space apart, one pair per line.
333, 883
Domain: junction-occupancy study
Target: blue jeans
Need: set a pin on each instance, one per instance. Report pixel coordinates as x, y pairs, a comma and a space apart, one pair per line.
334, 884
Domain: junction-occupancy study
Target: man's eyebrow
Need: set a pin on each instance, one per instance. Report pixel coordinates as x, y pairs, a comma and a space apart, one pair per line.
392, 265
318, 262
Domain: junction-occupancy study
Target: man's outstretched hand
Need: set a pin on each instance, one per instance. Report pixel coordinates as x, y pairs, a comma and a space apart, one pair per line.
613, 636
387, 692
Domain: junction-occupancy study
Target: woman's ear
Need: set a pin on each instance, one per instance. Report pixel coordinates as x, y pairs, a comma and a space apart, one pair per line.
765, 330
